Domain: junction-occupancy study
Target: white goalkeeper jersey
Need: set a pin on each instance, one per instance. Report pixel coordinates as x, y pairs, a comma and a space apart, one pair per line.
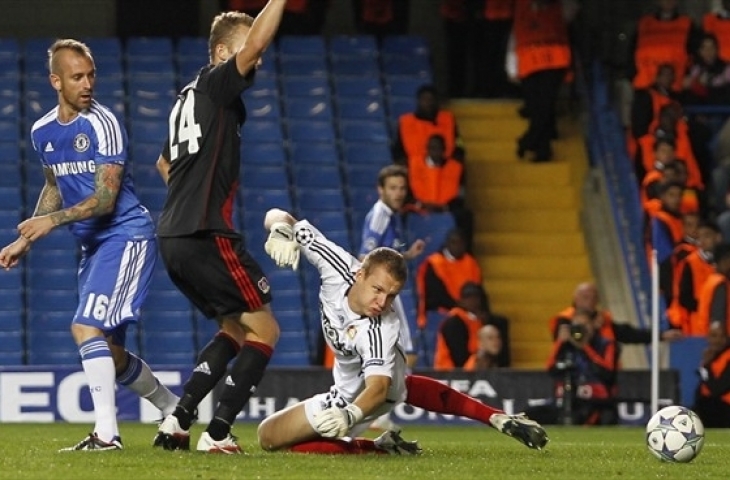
363, 346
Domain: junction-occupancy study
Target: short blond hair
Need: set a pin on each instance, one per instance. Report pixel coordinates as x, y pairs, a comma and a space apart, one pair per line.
224, 27
66, 44
393, 262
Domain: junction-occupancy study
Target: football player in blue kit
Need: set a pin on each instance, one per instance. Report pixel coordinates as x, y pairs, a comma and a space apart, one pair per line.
83, 151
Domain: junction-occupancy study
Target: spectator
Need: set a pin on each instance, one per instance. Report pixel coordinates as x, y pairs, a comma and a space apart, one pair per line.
437, 185
661, 156
489, 347
543, 60
718, 24
664, 229
442, 275
381, 17
708, 78
712, 400
301, 17
673, 172
476, 34
694, 271
662, 37
584, 364
458, 337
713, 304
586, 300
669, 269
414, 129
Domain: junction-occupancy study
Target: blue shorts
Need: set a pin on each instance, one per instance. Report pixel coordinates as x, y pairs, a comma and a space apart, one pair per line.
113, 282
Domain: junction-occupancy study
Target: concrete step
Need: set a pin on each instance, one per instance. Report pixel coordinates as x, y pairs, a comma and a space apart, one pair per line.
540, 264
531, 354
530, 291
509, 243
513, 173
495, 198
536, 221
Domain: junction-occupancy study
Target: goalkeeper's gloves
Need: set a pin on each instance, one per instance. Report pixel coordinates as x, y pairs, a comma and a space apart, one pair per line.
335, 422
281, 246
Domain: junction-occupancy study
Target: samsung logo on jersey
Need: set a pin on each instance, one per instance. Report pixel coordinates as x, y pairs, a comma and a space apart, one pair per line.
73, 168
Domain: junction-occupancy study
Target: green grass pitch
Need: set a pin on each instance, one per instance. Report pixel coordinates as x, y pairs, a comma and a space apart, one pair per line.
29, 451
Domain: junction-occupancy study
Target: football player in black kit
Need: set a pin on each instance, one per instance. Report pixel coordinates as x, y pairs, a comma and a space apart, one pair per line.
203, 254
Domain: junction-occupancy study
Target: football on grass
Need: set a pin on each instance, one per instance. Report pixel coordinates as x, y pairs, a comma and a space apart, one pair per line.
675, 434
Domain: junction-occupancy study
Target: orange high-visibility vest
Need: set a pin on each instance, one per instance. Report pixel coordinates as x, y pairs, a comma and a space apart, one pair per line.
437, 185
454, 10
720, 28
676, 313
693, 322
658, 101
442, 355
606, 330
415, 132
658, 42
378, 12
541, 38
499, 9
676, 228
718, 365
453, 273
701, 326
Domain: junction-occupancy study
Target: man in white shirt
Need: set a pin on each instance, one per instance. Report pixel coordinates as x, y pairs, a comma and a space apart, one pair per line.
363, 330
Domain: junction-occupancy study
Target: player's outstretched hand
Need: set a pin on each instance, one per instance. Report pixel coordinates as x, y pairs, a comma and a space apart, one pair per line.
281, 246
12, 253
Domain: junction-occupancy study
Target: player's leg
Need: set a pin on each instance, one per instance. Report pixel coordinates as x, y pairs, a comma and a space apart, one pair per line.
434, 396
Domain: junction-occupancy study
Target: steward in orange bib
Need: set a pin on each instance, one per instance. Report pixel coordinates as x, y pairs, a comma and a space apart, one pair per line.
381, 17
414, 129
664, 229
714, 300
712, 399
457, 335
662, 37
718, 24
543, 60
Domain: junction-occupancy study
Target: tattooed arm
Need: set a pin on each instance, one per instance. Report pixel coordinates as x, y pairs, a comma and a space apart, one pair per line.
49, 200
107, 180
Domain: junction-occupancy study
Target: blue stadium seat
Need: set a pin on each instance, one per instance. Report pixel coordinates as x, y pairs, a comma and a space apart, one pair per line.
262, 86
11, 196
269, 154
262, 199
168, 349
310, 200
328, 221
204, 329
304, 66
362, 175
11, 299
355, 66
150, 109
104, 47
301, 130
13, 278
150, 47
311, 108
51, 348
160, 278
368, 153
10, 107
131, 339
362, 199
364, 130
264, 177
149, 131
404, 86
353, 45
193, 47
112, 86
369, 108
407, 65
314, 153
152, 87
161, 321
38, 87
290, 300
263, 107
188, 69
306, 86
10, 70
290, 359
291, 339
9, 49
398, 106
10, 85
257, 130
301, 45
44, 300
152, 198
116, 105
166, 301
53, 321
11, 341
151, 67
146, 175
282, 279
432, 228
305, 176
11, 358
52, 279
54, 242
9, 131
407, 45
356, 86
36, 107
143, 156
9, 218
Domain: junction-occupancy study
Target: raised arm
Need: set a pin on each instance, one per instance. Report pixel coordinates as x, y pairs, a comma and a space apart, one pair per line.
260, 36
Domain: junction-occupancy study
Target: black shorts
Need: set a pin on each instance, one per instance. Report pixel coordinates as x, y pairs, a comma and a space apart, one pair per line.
215, 273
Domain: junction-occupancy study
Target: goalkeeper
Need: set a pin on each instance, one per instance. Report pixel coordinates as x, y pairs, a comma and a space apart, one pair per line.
361, 327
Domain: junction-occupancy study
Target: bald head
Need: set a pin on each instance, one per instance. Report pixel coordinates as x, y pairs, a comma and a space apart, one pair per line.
585, 297
490, 339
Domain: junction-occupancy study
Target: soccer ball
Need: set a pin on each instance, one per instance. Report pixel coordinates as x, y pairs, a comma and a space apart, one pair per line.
675, 434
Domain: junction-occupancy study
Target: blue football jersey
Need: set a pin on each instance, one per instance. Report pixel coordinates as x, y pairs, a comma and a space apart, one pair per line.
73, 151
382, 228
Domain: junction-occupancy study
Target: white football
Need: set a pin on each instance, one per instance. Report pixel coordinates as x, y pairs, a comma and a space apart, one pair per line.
675, 434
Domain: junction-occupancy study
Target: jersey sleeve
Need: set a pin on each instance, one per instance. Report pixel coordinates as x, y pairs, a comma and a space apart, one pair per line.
111, 138
377, 346
36, 146
223, 83
376, 222
334, 263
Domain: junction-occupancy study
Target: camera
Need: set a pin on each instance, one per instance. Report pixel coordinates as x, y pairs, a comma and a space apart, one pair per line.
577, 332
